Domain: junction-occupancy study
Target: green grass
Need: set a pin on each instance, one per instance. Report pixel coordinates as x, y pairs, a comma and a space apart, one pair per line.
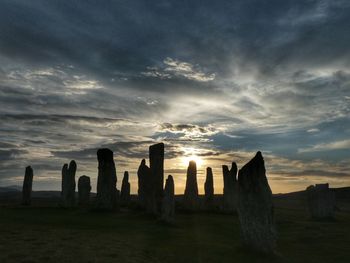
47, 234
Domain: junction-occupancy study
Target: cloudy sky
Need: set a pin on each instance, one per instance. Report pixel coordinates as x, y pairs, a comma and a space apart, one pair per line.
214, 80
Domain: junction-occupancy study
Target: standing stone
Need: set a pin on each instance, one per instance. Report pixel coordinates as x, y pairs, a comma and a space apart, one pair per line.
27, 186
68, 184
141, 176
84, 189
106, 198
209, 188
255, 208
230, 188
321, 201
156, 159
125, 191
191, 199
168, 204
146, 195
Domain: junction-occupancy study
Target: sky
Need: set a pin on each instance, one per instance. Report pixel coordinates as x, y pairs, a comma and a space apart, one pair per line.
216, 81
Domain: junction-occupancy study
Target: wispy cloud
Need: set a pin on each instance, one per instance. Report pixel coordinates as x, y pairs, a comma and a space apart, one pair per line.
175, 68
189, 130
337, 145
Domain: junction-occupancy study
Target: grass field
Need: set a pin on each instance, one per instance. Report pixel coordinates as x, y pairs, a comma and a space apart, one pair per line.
50, 234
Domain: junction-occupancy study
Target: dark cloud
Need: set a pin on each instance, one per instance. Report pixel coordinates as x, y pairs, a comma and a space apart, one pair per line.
11, 154
188, 128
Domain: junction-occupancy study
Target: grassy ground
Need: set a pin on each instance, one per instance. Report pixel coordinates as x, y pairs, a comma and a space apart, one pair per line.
49, 234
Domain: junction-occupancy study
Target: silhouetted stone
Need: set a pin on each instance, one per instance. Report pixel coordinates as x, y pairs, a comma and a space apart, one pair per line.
106, 198
156, 159
321, 201
168, 204
209, 188
68, 184
230, 188
117, 200
125, 191
255, 208
27, 186
141, 176
146, 195
84, 189
191, 191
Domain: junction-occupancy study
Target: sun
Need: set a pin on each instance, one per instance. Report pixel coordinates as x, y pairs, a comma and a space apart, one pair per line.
186, 159
191, 154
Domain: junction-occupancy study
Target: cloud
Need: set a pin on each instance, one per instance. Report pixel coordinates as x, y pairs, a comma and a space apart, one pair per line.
215, 77
11, 154
188, 130
313, 130
175, 68
337, 145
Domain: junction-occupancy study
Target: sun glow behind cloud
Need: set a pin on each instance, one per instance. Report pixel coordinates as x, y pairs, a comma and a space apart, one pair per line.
191, 154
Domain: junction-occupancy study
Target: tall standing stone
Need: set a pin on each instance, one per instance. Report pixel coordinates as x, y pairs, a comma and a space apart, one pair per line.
156, 159
255, 208
230, 188
68, 184
209, 188
141, 176
146, 194
106, 198
125, 190
168, 204
191, 199
321, 201
27, 186
84, 189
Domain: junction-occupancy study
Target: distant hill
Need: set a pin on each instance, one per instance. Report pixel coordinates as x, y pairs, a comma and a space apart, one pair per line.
11, 188
341, 193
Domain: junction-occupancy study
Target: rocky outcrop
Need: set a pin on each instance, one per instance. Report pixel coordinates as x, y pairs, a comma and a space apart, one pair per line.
68, 184
84, 189
27, 186
230, 188
191, 200
209, 189
125, 190
146, 194
106, 198
168, 204
156, 159
255, 208
321, 201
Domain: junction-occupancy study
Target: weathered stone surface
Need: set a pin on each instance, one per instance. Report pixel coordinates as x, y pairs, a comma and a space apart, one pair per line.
84, 189
125, 191
209, 188
68, 184
255, 208
230, 188
168, 204
321, 201
106, 198
27, 186
156, 158
146, 194
191, 200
